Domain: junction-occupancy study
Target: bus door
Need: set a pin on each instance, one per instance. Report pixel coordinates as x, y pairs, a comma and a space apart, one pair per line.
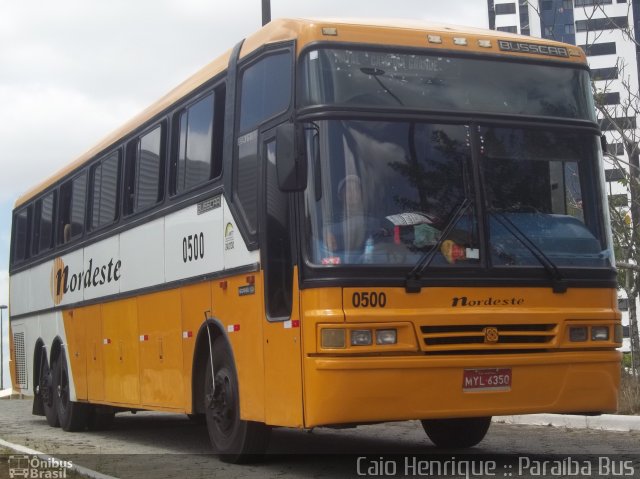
282, 338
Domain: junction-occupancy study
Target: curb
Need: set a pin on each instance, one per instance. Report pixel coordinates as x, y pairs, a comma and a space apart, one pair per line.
606, 422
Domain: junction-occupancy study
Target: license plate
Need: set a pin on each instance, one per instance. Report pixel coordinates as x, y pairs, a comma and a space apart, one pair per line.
486, 379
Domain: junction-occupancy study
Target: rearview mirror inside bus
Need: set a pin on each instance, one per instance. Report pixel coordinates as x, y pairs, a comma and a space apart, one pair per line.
291, 168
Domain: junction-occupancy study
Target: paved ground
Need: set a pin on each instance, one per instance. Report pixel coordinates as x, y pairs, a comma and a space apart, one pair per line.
152, 445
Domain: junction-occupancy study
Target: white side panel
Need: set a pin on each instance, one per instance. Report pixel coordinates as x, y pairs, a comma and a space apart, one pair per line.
235, 251
102, 269
65, 278
194, 241
142, 254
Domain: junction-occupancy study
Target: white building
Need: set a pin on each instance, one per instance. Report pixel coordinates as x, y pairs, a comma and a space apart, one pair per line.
598, 26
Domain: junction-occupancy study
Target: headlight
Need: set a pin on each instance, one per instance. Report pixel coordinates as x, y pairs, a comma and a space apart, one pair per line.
332, 338
600, 333
361, 337
577, 334
386, 336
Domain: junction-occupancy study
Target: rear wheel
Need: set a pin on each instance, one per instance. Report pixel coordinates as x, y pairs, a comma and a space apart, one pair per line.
235, 440
456, 433
72, 415
46, 391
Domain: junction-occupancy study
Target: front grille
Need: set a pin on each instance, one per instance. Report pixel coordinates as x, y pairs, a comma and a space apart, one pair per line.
474, 337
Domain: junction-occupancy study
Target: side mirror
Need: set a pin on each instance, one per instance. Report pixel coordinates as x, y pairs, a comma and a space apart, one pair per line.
291, 166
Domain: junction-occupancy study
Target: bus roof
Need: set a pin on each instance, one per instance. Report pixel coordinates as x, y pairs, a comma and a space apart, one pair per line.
402, 33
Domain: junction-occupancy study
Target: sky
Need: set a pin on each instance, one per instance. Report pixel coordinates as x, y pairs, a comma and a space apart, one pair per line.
72, 71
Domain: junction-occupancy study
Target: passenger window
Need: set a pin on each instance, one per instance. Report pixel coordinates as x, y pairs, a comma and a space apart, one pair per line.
21, 234
72, 208
195, 149
144, 178
266, 90
43, 226
104, 180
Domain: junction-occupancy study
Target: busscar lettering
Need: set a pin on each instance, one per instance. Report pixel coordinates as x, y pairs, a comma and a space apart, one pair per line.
522, 47
67, 281
463, 301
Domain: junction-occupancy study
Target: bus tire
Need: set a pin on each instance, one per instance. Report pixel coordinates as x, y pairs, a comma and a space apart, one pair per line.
72, 415
234, 440
47, 393
456, 433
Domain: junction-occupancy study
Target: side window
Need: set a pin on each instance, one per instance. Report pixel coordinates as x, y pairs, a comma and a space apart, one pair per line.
198, 156
71, 209
266, 92
43, 225
278, 261
144, 177
104, 181
21, 234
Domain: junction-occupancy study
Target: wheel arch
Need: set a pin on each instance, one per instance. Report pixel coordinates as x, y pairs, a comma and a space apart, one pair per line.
200, 356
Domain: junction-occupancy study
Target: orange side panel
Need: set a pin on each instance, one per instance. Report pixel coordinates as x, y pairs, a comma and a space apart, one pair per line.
75, 328
92, 320
283, 368
246, 313
160, 337
196, 301
121, 365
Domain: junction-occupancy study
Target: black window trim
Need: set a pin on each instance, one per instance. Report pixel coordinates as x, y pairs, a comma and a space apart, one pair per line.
88, 208
163, 123
35, 249
173, 132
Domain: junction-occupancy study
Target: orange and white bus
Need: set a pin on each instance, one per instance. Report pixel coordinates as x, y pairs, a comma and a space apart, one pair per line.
336, 222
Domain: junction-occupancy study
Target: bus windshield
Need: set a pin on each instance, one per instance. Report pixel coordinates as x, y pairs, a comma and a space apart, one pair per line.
419, 81
391, 192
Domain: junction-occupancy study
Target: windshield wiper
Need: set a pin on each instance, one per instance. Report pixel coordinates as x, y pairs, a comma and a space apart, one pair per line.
558, 283
413, 284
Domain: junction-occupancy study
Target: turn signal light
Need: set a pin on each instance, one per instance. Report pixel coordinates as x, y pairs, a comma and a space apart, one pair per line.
333, 338
361, 337
577, 334
618, 333
600, 333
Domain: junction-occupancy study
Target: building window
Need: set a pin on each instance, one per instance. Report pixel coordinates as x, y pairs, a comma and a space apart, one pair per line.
612, 98
105, 177
144, 175
623, 123
618, 201
72, 208
505, 8
43, 226
568, 28
591, 3
508, 29
595, 49
616, 149
567, 4
546, 5
602, 24
604, 73
613, 174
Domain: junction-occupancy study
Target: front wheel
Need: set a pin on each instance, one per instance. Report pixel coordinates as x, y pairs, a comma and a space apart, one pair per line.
235, 440
456, 433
